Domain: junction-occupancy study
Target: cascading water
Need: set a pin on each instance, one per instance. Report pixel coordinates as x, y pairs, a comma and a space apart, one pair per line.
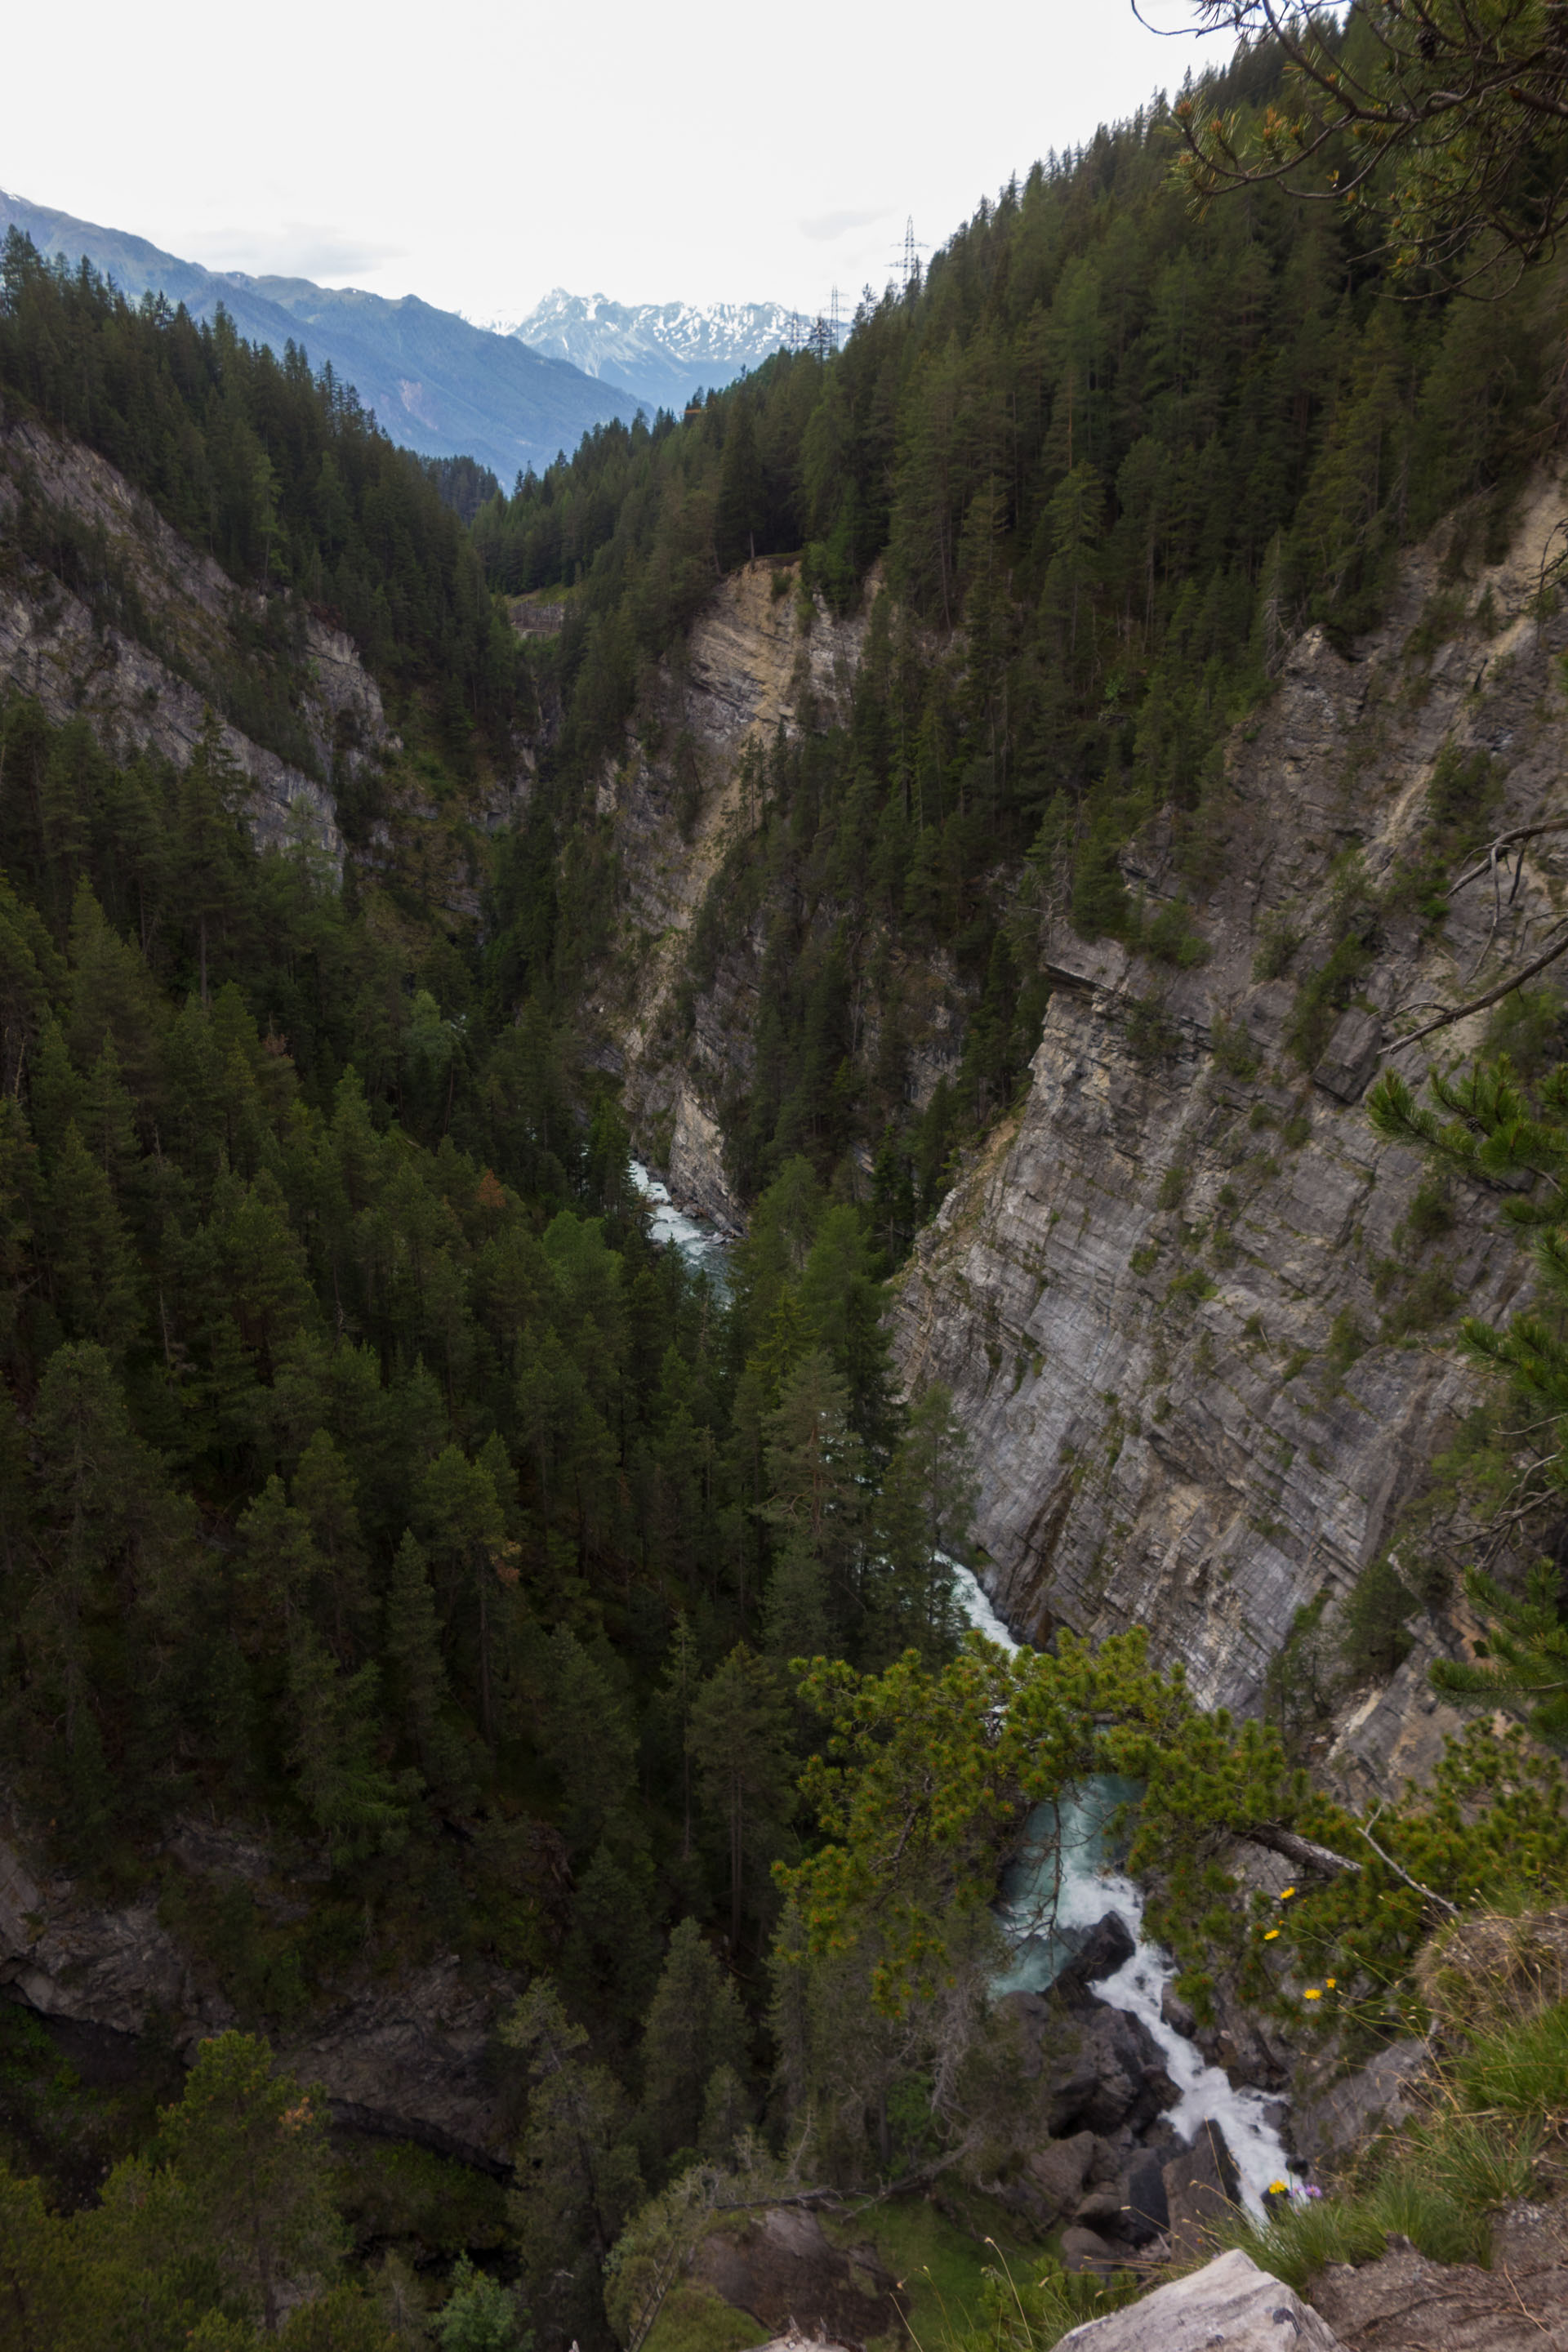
700, 1244
1067, 1883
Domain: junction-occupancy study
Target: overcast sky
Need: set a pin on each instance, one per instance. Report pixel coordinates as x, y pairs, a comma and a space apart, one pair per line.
478, 154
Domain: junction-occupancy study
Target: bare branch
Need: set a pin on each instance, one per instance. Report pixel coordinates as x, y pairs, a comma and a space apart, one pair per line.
1303, 1852
1492, 996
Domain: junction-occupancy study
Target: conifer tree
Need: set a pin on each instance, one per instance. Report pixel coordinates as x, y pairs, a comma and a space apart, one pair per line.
248, 2146
413, 1641
695, 2025
740, 1743
351, 1800
577, 2177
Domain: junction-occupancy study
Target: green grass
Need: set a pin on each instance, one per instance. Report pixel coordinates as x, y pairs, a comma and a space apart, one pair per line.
1493, 2122
692, 2318
940, 2261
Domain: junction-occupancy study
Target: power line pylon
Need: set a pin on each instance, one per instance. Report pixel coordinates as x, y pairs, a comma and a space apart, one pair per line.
909, 263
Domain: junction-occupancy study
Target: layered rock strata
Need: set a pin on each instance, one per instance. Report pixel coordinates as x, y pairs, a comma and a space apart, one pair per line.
1201, 1349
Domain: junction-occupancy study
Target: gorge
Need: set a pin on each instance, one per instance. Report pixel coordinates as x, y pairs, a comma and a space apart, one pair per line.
624, 1108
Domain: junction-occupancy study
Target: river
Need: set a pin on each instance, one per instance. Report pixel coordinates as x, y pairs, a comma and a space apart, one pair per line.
1044, 1895
1041, 1898
702, 1246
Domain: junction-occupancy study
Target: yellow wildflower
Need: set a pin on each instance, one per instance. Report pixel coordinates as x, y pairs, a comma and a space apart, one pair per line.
1278, 2188
1287, 1894
1331, 1982
1313, 1993
1269, 1934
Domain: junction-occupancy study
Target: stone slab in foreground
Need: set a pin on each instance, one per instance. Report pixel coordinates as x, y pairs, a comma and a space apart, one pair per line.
1229, 2302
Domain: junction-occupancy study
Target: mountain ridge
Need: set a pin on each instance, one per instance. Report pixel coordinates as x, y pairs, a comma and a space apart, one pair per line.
438, 384
662, 351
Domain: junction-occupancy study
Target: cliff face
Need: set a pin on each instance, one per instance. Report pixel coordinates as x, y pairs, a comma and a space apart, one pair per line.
1195, 1337
750, 666
405, 2050
142, 688
107, 614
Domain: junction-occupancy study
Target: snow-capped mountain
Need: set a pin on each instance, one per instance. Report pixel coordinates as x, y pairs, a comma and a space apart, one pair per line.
662, 351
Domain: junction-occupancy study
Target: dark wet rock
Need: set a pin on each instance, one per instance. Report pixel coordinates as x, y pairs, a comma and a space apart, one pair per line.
1146, 2212
1202, 2189
1108, 1946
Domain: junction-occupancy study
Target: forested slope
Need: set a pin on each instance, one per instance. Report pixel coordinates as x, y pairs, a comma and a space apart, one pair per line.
404, 1563
1104, 460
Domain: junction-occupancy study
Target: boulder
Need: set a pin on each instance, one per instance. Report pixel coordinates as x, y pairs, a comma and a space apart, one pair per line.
1085, 2250
1108, 1947
1229, 2302
1103, 2071
1201, 2190
1383, 2092
1146, 2212
784, 2270
1402, 2303
1059, 2170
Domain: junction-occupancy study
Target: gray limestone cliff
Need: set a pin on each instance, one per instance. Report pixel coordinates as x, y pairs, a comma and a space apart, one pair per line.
147, 687
750, 666
1202, 1349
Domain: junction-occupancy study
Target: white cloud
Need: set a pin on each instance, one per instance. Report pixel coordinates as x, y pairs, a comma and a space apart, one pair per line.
292, 249
525, 145
823, 229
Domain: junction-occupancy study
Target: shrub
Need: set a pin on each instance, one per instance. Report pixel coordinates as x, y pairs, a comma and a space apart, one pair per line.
1375, 1642
1233, 1049
1431, 1298
1430, 1214
1347, 1341
1151, 1034
1175, 937
1279, 939
1527, 1027
1173, 1187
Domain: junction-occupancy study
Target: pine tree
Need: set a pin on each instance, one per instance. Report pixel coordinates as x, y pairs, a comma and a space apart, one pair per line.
354, 1803
740, 1743
419, 1677
1523, 1661
250, 2148
695, 2025
577, 2177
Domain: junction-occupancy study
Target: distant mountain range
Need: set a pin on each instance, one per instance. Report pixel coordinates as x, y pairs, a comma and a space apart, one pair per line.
662, 351
437, 383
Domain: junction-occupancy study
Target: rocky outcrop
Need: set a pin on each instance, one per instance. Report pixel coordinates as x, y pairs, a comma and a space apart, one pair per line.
676, 801
1403, 2303
781, 2266
1229, 2302
411, 2056
147, 687
1198, 1346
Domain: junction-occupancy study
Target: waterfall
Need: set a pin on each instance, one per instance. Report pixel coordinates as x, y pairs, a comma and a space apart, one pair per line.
700, 1244
1072, 1885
